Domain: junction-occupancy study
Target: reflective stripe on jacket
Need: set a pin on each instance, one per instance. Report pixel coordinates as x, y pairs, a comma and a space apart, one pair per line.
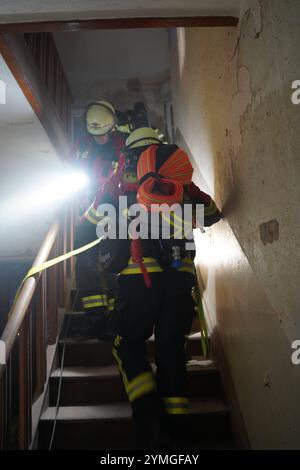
187, 266
150, 264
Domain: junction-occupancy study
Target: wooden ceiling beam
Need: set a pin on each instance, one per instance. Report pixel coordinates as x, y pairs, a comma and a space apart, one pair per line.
119, 23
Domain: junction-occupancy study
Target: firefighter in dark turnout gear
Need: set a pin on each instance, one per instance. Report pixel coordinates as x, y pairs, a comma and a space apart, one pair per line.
100, 155
98, 152
154, 296
154, 293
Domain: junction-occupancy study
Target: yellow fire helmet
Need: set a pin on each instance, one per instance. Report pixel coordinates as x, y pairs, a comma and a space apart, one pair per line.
100, 118
141, 137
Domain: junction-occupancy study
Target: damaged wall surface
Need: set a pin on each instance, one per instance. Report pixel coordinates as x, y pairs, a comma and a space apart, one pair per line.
121, 66
233, 111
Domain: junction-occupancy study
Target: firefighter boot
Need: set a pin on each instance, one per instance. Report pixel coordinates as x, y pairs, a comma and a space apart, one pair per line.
150, 425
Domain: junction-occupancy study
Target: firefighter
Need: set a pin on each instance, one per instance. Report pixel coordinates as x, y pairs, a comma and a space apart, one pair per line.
154, 296
100, 155
99, 151
132, 118
95, 282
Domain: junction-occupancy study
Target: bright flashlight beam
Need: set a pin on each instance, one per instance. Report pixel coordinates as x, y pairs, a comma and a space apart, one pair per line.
60, 189
55, 191
63, 187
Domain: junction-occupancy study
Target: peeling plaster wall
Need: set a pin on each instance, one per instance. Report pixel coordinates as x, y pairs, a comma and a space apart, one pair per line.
154, 91
121, 66
233, 112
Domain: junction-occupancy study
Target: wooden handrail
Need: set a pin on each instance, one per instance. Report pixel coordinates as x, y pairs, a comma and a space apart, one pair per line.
26, 293
32, 327
34, 321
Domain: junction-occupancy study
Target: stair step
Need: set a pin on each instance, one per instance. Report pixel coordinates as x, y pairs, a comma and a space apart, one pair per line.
111, 426
92, 385
117, 411
94, 412
92, 352
75, 326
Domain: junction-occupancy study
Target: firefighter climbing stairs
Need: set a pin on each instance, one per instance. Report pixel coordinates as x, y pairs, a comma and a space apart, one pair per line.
93, 411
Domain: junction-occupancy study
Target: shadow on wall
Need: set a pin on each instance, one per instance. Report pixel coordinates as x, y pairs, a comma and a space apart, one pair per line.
249, 262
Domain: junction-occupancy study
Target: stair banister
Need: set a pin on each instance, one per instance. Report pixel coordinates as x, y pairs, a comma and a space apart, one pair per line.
26, 293
31, 326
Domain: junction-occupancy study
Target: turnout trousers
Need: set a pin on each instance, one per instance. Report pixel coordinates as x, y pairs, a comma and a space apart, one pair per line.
165, 309
96, 291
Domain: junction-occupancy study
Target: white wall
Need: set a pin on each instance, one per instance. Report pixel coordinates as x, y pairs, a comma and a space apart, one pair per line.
232, 93
27, 161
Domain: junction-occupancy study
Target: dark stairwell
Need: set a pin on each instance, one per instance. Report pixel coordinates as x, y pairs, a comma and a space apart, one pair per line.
93, 408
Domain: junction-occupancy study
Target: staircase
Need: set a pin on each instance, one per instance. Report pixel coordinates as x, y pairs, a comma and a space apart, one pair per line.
94, 412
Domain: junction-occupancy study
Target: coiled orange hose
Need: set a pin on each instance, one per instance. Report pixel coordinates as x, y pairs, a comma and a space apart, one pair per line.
173, 174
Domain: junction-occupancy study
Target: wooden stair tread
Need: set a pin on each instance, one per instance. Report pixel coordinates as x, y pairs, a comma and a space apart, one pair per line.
74, 340
123, 411
112, 370
85, 372
94, 412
